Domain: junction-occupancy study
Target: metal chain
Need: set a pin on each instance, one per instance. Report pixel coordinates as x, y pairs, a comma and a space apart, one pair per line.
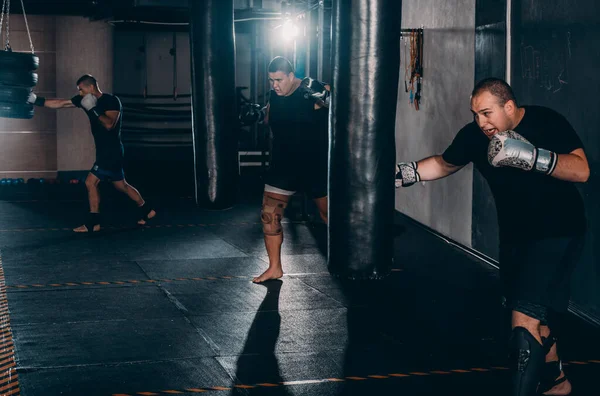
2, 17
7, 46
27, 27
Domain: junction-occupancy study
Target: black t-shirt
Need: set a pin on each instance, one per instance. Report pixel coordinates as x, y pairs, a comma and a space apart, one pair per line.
300, 133
529, 205
109, 148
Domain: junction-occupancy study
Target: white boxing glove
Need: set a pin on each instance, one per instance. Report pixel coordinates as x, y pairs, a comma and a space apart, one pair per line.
35, 100
508, 148
89, 101
31, 98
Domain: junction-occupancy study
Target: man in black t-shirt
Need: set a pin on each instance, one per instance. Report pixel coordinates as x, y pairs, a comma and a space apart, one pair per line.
105, 114
297, 113
531, 157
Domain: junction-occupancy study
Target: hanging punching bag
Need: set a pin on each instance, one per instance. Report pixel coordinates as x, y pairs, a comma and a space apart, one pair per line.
214, 119
366, 61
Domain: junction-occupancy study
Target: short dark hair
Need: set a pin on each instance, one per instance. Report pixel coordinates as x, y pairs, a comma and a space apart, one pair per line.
279, 63
87, 79
497, 87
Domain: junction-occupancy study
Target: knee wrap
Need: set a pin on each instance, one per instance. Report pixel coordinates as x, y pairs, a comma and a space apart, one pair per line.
528, 359
271, 215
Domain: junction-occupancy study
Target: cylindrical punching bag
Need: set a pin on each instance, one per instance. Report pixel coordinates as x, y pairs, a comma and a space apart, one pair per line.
366, 62
214, 118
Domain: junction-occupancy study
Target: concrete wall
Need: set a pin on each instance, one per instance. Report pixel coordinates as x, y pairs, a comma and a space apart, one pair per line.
155, 64
81, 47
68, 47
55, 141
144, 59
28, 147
449, 42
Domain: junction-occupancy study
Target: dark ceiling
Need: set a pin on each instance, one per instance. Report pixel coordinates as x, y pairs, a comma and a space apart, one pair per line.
56, 7
169, 11
100, 9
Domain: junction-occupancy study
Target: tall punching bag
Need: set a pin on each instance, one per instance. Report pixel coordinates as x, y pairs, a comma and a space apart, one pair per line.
214, 119
366, 62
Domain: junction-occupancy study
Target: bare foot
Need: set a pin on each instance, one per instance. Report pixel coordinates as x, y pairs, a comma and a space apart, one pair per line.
149, 216
83, 228
561, 389
271, 273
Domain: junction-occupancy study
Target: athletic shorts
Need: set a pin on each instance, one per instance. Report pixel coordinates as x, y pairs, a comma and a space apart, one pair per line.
109, 175
539, 272
307, 178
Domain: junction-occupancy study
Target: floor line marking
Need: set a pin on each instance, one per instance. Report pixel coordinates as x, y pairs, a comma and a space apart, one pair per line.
10, 380
164, 280
371, 377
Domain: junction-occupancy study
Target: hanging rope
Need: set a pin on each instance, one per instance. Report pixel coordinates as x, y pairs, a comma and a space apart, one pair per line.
419, 67
413, 69
406, 65
413, 60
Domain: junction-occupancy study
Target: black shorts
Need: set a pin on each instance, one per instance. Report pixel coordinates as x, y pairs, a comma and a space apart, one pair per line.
301, 177
111, 174
539, 272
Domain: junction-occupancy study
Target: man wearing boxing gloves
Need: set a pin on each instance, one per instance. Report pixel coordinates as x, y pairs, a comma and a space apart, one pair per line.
531, 157
104, 111
297, 112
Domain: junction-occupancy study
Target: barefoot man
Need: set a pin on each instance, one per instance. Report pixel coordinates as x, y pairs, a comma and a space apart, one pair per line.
297, 113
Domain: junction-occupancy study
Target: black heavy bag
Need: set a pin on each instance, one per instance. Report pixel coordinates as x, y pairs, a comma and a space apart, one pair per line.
366, 61
213, 102
17, 78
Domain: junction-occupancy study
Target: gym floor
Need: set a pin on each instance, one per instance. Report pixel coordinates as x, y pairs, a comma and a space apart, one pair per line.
170, 308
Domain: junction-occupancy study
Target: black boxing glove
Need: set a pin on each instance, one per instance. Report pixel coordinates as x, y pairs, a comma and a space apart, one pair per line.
252, 113
76, 100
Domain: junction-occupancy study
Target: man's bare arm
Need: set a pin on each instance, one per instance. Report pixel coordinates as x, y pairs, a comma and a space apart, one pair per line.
109, 119
427, 169
266, 117
58, 103
433, 168
572, 167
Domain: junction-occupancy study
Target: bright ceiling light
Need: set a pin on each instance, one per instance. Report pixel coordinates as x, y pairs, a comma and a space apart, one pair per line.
289, 30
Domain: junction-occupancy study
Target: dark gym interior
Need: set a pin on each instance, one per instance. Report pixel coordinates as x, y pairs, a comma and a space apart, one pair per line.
170, 307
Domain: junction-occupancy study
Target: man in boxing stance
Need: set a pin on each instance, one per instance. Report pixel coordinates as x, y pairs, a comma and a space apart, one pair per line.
531, 157
104, 111
297, 113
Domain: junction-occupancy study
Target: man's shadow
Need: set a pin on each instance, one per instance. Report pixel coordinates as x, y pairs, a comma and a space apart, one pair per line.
258, 362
